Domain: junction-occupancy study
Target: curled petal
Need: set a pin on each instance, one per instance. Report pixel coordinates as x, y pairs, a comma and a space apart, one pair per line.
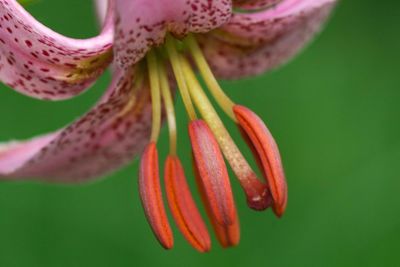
151, 196
183, 207
14, 154
41, 63
101, 9
141, 24
227, 235
255, 4
104, 139
267, 154
212, 172
254, 43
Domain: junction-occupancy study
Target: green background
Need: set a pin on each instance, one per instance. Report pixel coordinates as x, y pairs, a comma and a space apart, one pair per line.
334, 111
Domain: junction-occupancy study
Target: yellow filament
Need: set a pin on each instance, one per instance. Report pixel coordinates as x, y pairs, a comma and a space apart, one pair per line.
155, 95
236, 160
223, 100
169, 107
178, 72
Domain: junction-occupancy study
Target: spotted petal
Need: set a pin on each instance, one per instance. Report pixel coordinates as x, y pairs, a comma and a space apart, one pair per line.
255, 4
108, 136
141, 24
252, 43
41, 63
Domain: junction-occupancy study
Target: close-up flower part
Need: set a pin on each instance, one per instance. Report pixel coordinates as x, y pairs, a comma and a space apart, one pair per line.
156, 47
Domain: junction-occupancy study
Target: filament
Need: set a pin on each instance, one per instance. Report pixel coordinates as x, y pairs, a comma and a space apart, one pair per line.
179, 75
212, 84
155, 95
169, 108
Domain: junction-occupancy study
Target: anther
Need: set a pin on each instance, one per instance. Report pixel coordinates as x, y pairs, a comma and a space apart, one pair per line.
227, 235
266, 153
151, 196
180, 201
183, 207
212, 172
149, 180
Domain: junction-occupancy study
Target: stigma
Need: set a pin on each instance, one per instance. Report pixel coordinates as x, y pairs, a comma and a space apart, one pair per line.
212, 147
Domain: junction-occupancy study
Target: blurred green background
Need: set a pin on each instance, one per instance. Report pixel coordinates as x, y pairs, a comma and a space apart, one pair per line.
334, 111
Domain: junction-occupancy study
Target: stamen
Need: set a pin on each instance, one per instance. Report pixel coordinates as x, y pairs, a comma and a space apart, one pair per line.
212, 172
180, 201
223, 100
266, 153
183, 207
151, 196
155, 95
256, 191
227, 235
169, 108
177, 69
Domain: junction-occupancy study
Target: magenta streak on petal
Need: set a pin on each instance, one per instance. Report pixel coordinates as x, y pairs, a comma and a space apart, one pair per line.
41, 63
251, 44
141, 24
99, 142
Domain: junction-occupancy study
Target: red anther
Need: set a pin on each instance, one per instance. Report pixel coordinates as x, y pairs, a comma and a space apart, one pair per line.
183, 207
151, 196
212, 172
266, 153
227, 235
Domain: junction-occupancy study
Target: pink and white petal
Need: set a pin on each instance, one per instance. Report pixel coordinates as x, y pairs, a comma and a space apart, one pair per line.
234, 52
255, 4
104, 139
141, 24
101, 9
265, 26
41, 63
15, 153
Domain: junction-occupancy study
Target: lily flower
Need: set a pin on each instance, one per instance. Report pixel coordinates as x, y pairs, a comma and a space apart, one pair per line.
156, 46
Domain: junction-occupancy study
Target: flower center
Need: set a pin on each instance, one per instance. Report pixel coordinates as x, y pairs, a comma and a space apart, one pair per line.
211, 143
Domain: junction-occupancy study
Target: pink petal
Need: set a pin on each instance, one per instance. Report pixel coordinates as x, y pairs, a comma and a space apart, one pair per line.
255, 4
141, 24
254, 43
101, 9
104, 139
41, 63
